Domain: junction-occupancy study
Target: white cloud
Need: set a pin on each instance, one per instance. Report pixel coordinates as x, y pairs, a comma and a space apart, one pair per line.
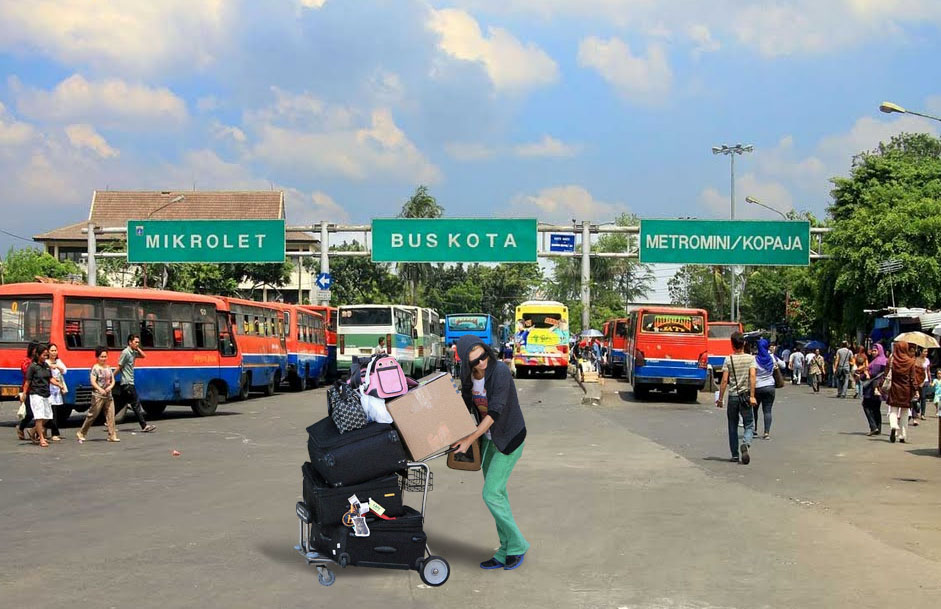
636, 78
548, 146
469, 151
13, 132
510, 64
356, 153
320, 206
109, 102
225, 132
84, 135
768, 192
207, 103
311, 3
702, 38
127, 36
563, 203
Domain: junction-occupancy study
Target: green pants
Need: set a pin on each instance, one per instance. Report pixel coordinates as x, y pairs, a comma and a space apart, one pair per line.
497, 468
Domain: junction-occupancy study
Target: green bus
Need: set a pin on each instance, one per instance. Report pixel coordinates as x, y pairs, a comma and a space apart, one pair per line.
429, 344
360, 326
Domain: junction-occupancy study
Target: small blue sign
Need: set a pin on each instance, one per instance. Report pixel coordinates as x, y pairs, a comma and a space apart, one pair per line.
324, 281
561, 243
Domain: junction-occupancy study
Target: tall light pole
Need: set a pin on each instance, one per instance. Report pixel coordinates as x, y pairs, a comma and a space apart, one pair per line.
889, 108
755, 201
731, 151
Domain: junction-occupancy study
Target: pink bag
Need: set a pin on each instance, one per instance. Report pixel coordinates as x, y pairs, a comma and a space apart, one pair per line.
384, 378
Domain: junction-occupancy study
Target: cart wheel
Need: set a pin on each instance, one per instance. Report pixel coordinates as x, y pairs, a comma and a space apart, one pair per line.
326, 577
343, 560
434, 571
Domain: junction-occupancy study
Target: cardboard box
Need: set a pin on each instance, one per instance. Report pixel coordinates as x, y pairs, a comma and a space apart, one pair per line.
432, 416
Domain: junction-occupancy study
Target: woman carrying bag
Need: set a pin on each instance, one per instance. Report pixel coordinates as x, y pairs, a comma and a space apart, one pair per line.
488, 390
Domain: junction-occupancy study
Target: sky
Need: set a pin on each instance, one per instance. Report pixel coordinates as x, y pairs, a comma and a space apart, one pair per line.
555, 109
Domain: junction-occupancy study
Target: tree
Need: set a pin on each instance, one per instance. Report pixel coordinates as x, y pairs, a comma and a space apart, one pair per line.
25, 265
889, 208
419, 205
701, 287
357, 280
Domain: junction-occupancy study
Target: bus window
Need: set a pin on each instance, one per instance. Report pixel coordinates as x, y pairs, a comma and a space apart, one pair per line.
82, 323
226, 343
206, 337
23, 320
155, 325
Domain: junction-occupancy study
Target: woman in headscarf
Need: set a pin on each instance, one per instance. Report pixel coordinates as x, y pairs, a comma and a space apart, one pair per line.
872, 403
764, 385
903, 389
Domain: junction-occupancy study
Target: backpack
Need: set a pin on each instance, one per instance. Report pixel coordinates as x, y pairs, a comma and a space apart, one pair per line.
383, 377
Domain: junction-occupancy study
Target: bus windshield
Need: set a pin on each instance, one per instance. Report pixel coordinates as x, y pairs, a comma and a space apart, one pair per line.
672, 323
366, 317
722, 331
23, 320
468, 323
542, 321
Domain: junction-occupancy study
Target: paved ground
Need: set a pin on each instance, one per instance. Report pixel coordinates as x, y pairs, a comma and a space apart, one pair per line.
623, 503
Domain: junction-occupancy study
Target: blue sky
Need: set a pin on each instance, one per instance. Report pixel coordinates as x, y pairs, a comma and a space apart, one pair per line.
557, 109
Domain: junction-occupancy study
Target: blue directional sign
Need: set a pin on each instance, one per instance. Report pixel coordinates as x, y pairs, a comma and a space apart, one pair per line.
324, 281
561, 243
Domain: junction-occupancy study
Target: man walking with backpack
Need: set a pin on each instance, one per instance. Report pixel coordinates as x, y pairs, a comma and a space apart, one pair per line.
842, 369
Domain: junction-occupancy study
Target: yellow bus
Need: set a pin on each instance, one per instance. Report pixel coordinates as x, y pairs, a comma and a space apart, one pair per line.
541, 342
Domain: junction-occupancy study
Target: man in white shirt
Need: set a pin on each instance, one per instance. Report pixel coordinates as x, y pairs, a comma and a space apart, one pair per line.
796, 365
808, 357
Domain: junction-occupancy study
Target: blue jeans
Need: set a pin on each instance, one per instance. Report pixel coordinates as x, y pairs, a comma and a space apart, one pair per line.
738, 407
843, 378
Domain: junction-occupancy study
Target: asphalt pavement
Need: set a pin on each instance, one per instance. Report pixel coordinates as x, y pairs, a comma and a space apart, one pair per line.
625, 504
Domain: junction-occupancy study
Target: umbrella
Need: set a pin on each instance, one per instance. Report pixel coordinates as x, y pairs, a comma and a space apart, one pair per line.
816, 344
937, 330
591, 334
917, 338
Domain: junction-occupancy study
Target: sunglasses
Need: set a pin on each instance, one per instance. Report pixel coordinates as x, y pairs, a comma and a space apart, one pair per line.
473, 363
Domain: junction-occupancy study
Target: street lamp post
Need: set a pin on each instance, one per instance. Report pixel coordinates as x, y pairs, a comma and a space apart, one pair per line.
889, 108
175, 199
731, 151
755, 201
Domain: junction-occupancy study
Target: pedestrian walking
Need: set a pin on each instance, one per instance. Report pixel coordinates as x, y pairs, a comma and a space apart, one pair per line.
764, 385
936, 389
739, 373
128, 390
38, 380
102, 399
27, 419
860, 370
796, 366
923, 380
489, 392
842, 369
808, 357
816, 369
872, 401
903, 388
56, 392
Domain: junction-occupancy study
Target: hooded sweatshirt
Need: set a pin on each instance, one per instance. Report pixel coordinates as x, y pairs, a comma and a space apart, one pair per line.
508, 430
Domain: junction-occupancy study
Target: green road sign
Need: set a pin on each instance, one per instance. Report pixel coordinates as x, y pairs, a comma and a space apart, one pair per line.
746, 242
453, 240
205, 241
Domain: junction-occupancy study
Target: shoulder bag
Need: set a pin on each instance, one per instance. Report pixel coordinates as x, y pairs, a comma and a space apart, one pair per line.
344, 407
469, 461
887, 382
744, 396
776, 373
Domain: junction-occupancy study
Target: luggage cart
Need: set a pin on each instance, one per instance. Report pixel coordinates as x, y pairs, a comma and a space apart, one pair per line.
433, 570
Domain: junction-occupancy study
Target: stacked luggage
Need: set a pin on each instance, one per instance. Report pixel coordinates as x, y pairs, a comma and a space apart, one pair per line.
353, 511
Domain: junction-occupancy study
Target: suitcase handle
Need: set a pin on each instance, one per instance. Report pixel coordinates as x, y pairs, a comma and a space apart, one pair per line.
385, 550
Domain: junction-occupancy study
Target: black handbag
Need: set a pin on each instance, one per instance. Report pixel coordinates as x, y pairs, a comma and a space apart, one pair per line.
344, 408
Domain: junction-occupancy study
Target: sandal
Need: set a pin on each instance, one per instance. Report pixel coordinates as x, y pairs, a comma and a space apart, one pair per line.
114, 439
43, 443
56, 438
149, 429
20, 434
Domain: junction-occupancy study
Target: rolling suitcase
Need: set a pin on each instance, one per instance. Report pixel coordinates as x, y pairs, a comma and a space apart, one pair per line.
391, 544
356, 456
328, 504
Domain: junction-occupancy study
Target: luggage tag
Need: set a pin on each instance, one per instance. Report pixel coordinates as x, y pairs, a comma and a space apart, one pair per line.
360, 529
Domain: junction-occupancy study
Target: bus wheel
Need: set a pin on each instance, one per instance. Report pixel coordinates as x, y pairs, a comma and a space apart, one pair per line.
297, 382
561, 373
270, 387
63, 413
154, 410
688, 394
641, 392
245, 386
521, 373
207, 406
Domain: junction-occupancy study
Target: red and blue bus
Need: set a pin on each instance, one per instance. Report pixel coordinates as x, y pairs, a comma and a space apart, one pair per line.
666, 349
720, 343
615, 336
306, 342
260, 332
192, 356
330, 324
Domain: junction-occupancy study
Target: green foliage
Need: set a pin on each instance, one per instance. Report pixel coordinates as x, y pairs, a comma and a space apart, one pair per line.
25, 265
419, 205
495, 290
701, 287
889, 208
356, 280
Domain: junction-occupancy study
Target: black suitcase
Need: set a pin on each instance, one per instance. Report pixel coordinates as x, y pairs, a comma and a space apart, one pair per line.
328, 504
356, 456
391, 544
